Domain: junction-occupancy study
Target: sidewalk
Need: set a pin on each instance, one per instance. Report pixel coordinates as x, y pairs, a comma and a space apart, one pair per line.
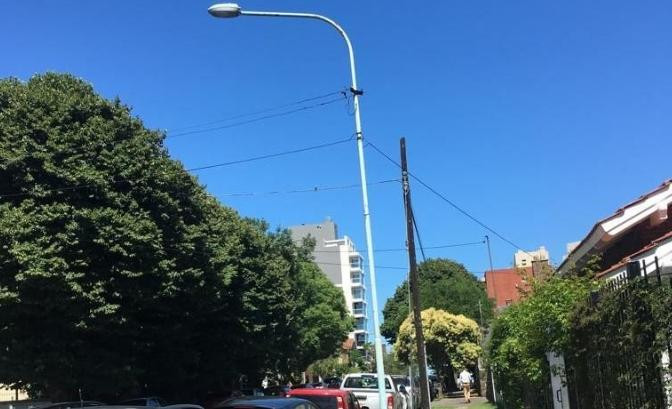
458, 403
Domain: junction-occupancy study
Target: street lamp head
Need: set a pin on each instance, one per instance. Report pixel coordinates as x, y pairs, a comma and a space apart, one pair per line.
224, 10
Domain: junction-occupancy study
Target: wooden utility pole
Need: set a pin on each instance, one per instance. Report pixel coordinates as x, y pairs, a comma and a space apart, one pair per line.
414, 281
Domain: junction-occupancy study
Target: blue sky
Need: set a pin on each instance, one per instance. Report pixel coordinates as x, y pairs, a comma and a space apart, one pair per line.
536, 117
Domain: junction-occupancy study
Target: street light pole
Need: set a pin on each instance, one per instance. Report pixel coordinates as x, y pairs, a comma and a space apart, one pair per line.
227, 10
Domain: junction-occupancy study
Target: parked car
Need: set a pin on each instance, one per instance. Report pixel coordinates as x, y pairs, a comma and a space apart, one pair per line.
214, 399
410, 390
327, 398
182, 406
303, 386
334, 382
365, 388
267, 402
277, 390
152, 401
72, 405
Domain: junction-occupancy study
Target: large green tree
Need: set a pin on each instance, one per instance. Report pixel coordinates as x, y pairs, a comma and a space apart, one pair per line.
445, 285
120, 274
451, 341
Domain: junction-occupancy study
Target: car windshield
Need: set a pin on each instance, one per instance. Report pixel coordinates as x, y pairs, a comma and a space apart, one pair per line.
364, 382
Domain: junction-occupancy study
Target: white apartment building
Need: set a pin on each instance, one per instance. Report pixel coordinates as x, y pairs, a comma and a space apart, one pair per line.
340, 261
522, 259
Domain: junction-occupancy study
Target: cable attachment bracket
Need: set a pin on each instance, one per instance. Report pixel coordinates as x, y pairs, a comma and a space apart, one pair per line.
356, 92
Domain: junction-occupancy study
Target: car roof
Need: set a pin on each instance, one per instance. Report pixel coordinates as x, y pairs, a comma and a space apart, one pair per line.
261, 401
367, 374
318, 392
120, 406
143, 398
73, 404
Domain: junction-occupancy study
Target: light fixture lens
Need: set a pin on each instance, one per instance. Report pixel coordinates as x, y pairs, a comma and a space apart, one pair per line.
224, 10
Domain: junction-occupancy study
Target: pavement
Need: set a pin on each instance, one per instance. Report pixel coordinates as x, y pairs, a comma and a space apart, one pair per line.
477, 402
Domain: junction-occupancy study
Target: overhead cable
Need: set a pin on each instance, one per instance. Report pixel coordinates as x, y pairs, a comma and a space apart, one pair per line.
445, 199
103, 143
257, 112
261, 118
196, 169
272, 155
338, 264
417, 234
306, 190
444, 246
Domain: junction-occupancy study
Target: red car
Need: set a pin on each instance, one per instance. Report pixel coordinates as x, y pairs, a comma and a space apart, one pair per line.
327, 398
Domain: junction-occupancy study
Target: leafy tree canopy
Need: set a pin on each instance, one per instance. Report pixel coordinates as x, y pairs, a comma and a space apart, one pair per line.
445, 285
524, 332
120, 274
451, 340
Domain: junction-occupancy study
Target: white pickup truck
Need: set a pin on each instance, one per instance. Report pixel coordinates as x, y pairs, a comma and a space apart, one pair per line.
365, 388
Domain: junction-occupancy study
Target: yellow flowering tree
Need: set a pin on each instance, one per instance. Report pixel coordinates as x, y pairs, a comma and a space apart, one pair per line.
451, 340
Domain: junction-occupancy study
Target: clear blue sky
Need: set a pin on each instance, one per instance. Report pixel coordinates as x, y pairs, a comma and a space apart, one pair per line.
536, 117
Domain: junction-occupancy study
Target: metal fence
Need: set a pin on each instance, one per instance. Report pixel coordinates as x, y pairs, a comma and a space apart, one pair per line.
611, 376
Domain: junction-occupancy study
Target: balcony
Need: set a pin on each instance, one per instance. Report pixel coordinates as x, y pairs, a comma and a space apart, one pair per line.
358, 308
360, 324
358, 293
360, 340
357, 279
355, 263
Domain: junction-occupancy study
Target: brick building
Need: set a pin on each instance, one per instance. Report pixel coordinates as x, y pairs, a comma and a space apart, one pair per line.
504, 285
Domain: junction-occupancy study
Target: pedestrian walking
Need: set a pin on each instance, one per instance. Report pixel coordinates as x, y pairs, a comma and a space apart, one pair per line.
466, 379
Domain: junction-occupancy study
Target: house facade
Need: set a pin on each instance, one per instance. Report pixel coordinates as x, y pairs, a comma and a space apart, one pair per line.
637, 237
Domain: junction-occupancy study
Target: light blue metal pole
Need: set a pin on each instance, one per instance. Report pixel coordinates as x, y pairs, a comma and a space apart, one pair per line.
233, 10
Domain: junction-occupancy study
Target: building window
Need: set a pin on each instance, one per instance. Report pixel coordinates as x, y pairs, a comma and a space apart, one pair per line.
358, 293
358, 308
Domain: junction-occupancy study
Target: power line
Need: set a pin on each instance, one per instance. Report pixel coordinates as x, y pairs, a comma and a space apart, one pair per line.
305, 190
216, 165
111, 144
417, 233
444, 246
339, 264
261, 118
445, 199
258, 112
272, 155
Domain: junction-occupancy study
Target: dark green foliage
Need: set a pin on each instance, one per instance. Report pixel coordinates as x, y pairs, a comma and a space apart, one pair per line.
120, 275
445, 285
523, 333
617, 343
612, 342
